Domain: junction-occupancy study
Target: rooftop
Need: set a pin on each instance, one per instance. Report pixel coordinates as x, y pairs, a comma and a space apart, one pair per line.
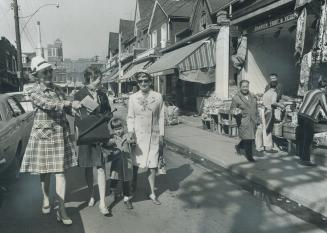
126, 28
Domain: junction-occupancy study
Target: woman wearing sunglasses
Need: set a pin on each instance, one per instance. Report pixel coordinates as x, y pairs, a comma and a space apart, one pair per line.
145, 123
49, 150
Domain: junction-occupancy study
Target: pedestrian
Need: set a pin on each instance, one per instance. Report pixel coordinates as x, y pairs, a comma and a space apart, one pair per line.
267, 113
122, 167
314, 102
244, 108
145, 124
278, 88
91, 156
49, 149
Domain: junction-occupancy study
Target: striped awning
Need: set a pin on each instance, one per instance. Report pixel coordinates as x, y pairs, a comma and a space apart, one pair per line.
135, 68
202, 57
200, 54
113, 75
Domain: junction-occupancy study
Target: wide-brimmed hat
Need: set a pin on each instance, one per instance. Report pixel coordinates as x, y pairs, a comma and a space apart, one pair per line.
143, 71
38, 63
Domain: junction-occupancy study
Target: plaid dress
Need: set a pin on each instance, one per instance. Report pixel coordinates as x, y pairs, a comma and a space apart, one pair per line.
49, 149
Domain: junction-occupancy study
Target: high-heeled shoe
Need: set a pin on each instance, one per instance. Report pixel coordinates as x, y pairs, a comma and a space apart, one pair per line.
104, 210
66, 221
46, 209
91, 202
154, 199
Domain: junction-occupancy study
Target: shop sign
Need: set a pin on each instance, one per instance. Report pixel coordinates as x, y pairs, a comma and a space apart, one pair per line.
274, 22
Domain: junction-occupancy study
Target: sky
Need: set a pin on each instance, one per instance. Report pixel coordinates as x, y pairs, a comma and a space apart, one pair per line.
82, 25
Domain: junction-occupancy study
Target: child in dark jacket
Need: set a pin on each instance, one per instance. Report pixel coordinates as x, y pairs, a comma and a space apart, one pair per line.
121, 168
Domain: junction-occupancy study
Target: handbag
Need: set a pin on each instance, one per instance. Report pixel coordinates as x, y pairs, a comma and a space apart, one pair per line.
162, 170
92, 129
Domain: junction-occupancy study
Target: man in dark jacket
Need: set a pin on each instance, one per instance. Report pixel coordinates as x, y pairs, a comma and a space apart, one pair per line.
314, 103
244, 108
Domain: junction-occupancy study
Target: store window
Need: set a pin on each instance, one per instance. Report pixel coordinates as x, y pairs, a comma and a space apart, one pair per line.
154, 39
203, 21
164, 35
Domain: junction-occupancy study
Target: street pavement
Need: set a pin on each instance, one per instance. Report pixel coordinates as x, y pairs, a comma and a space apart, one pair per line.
194, 200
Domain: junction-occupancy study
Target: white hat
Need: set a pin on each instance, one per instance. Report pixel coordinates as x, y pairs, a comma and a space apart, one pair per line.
39, 63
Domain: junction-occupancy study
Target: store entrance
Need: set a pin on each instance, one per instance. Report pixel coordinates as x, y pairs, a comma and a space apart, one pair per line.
272, 51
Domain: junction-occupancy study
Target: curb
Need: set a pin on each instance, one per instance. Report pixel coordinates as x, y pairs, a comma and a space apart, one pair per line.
250, 176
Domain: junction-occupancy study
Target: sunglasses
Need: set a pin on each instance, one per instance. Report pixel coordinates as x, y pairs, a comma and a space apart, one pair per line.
143, 81
45, 72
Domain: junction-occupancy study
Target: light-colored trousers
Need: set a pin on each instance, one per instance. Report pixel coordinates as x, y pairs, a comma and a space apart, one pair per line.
263, 141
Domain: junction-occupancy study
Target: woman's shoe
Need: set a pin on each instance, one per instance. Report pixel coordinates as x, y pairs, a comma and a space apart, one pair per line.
66, 221
154, 199
91, 202
104, 210
128, 205
46, 209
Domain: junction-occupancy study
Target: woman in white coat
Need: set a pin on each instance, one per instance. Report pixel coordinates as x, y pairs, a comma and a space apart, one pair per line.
145, 123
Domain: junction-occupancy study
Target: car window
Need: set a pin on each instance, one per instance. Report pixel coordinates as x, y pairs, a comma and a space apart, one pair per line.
6, 112
15, 107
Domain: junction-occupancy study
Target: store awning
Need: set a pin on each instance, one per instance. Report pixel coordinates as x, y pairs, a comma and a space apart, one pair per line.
114, 74
200, 54
131, 72
110, 76
198, 76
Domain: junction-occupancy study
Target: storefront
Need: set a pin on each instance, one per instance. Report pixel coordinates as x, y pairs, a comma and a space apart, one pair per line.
186, 74
270, 49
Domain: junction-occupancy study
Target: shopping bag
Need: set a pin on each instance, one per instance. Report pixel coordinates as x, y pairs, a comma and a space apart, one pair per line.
92, 129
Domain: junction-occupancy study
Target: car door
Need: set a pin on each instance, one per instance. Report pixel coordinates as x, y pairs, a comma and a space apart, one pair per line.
20, 122
8, 128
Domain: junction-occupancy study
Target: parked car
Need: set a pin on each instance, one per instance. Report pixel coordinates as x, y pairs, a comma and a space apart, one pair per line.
15, 128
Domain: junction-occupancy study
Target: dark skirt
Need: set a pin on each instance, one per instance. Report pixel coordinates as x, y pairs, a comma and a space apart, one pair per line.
90, 156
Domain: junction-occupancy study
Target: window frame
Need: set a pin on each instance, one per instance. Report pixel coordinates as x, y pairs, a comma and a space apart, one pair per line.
13, 111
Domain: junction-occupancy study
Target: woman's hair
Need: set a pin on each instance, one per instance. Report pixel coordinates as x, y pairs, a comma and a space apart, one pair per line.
140, 74
116, 123
92, 70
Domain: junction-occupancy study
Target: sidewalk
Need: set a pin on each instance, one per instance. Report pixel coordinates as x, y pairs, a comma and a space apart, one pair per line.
278, 172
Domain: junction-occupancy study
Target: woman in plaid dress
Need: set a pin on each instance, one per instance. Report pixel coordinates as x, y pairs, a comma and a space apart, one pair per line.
49, 150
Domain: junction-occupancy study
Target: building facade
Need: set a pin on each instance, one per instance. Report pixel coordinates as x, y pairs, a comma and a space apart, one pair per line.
8, 67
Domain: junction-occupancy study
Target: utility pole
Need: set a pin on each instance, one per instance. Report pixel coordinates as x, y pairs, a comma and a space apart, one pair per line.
39, 49
119, 65
18, 44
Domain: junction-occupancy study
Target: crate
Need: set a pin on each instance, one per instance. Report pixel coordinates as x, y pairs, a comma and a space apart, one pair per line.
227, 123
278, 130
289, 136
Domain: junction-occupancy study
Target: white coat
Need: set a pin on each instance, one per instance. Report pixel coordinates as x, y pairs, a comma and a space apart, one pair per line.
145, 119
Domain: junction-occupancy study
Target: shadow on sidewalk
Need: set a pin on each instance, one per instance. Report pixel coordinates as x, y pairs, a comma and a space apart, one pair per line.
245, 213
169, 182
21, 211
